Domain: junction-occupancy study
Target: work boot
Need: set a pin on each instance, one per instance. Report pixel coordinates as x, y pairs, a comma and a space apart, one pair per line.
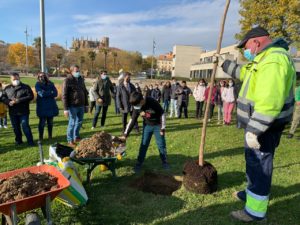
241, 215
239, 195
289, 136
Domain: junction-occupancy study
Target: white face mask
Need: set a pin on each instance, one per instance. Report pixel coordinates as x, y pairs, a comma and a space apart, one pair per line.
103, 76
15, 82
137, 107
230, 84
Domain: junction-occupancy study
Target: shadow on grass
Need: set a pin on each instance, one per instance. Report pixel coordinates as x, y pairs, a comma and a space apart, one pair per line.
285, 211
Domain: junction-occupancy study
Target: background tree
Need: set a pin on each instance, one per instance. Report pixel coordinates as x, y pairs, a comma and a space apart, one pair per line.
92, 56
115, 55
37, 45
17, 55
105, 52
81, 60
280, 17
59, 57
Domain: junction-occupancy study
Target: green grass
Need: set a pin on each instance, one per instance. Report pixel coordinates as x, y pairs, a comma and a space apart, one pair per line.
111, 201
29, 80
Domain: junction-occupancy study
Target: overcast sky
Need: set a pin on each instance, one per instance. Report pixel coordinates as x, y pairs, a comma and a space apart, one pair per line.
130, 24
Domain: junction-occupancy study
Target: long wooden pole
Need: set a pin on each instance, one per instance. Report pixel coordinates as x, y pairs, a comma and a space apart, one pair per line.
203, 135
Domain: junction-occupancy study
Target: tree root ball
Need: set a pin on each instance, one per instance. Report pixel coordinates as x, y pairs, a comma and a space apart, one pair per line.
159, 184
200, 179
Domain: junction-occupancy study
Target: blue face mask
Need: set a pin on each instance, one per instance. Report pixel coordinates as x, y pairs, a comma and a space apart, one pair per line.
248, 55
76, 74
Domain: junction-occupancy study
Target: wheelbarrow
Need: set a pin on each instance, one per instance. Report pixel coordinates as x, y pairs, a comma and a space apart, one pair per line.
43, 200
92, 163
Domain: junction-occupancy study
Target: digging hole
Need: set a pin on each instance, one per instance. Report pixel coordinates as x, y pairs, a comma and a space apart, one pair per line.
201, 180
156, 183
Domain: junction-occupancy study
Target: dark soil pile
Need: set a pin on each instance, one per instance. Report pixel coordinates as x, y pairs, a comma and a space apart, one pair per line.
101, 144
156, 183
201, 180
26, 184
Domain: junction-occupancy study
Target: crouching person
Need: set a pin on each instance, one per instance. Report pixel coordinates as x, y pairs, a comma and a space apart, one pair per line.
153, 123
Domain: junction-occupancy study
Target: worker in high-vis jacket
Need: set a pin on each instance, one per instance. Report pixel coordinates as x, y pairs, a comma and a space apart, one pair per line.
264, 106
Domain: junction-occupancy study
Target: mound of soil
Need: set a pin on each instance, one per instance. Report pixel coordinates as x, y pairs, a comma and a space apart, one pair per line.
101, 144
156, 183
26, 184
201, 180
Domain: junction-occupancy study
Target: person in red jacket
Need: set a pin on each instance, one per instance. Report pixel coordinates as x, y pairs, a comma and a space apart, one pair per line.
211, 104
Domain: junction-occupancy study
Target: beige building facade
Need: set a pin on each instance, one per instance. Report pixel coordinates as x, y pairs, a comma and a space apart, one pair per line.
165, 62
204, 65
183, 57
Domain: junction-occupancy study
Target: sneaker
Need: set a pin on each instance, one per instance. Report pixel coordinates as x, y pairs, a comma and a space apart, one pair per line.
137, 168
92, 128
290, 136
71, 144
239, 195
5, 126
77, 140
241, 215
166, 166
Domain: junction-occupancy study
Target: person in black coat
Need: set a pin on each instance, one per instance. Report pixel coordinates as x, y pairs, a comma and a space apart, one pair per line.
17, 96
156, 93
124, 90
46, 107
166, 96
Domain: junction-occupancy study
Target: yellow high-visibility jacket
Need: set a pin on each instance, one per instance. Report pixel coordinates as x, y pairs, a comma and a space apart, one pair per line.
266, 98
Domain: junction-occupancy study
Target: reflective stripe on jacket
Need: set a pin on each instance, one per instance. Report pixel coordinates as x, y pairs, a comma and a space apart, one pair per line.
266, 97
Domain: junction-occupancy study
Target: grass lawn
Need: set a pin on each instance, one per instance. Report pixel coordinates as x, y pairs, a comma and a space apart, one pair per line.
111, 201
28, 80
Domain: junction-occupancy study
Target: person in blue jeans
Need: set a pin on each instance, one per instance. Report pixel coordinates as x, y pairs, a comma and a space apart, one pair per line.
75, 102
17, 96
154, 123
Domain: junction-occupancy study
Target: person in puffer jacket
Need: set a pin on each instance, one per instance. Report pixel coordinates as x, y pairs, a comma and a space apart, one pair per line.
228, 98
198, 94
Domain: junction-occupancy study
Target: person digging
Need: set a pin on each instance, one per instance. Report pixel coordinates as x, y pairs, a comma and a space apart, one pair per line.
154, 123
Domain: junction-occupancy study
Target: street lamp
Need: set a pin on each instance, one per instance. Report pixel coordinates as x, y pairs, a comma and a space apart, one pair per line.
42, 30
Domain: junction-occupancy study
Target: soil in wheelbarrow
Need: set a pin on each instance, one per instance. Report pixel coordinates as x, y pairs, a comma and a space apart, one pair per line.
26, 184
159, 184
200, 179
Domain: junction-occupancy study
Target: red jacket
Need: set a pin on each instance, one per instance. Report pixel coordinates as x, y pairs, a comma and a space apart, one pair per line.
213, 95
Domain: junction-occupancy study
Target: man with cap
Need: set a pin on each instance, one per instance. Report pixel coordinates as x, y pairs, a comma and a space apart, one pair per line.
264, 106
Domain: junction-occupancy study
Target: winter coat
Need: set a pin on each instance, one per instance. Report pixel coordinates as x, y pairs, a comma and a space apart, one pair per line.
174, 87
123, 96
183, 94
146, 93
45, 102
3, 107
103, 89
23, 94
228, 95
219, 99
213, 96
199, 93
156, 94
166, 94
92, 95
74, 93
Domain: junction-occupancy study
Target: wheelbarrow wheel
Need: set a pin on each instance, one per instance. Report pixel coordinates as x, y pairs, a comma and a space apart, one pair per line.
32, 219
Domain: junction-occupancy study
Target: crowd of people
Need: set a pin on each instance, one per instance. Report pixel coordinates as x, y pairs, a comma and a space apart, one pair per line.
261, 111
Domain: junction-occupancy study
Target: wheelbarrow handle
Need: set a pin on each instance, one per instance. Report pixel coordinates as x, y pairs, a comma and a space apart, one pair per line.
41, 152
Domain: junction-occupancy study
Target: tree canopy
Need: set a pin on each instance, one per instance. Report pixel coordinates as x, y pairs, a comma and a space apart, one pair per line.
280, 17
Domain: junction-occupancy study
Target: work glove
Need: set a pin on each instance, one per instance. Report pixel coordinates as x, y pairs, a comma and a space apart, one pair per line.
251, 140
217, 58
